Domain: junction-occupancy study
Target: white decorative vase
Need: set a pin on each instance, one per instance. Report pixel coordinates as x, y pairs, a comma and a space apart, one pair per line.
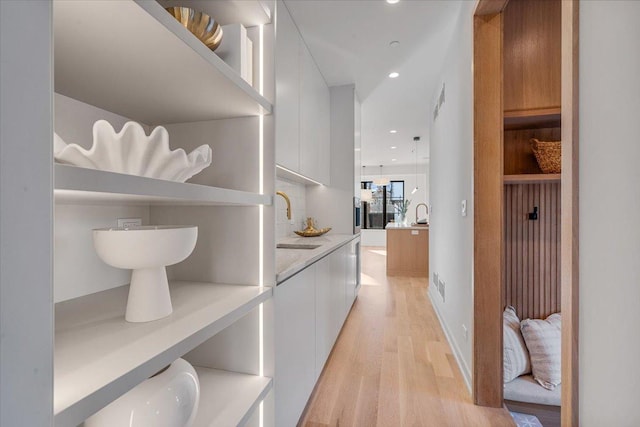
132, 152
146, 250
168, 399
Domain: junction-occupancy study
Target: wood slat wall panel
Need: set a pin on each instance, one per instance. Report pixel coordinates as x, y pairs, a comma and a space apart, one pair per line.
532, 249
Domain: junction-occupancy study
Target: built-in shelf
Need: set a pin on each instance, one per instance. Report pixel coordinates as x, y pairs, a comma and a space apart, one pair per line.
531, 178
532, 119
131, 57
80, 185
228, 398
249, 13
99, 356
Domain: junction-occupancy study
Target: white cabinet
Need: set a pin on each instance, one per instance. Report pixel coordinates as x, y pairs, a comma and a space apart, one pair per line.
303, 106
311, 308
323, 313
338, 281
352, 280
288, 48
314, 121
295, 345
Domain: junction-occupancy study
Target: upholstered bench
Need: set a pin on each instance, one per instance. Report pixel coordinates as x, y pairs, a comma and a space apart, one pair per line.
525, 395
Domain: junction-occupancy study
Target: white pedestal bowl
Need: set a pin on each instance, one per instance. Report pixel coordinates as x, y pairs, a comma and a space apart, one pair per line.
146, 250
168, 399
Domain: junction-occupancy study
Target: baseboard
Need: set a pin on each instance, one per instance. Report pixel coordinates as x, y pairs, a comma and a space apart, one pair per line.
466, 372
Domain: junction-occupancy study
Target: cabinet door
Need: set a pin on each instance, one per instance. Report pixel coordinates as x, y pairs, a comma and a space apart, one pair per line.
314, 120
338, 261
324, 343
323, 128
287, 92
352, 272
294, 345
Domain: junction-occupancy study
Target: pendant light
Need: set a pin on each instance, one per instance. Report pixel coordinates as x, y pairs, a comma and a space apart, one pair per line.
381, 180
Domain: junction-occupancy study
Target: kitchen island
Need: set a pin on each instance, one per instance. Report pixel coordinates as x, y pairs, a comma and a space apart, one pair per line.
407, 250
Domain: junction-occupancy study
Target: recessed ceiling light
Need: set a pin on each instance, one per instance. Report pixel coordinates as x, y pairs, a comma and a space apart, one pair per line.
393, 147
394, 74
393, 131
392, 1
394, 43
393, 160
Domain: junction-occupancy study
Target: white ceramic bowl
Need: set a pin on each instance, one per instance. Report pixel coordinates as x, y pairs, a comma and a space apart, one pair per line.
168, 399
146, 250
133, 152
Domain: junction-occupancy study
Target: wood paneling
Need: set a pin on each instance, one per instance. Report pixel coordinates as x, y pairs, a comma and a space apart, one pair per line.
408, 253
570, 214
488, 193
532, 249
532, 54
392, 365
490, 7
518, 156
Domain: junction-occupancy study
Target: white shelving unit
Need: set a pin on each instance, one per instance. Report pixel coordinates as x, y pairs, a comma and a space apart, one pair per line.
133, 58
80, 185
231, 397
99, 356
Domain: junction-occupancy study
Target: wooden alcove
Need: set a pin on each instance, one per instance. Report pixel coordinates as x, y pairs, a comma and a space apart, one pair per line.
526, 51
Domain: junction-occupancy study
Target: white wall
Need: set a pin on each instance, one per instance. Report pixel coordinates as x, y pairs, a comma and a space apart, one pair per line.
297, 195
609, 213
451, 181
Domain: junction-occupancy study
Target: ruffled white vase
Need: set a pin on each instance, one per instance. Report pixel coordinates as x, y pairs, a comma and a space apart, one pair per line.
168, 399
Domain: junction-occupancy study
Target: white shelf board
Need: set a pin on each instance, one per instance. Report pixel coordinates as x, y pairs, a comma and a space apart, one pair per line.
131, 57
228, 398
249, 13
80, 185
99, 356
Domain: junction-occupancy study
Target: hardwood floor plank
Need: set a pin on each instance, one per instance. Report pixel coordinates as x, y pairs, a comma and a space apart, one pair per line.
392, 365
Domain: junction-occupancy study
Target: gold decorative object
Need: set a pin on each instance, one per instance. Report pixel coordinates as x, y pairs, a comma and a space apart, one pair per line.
201, 25
311, 230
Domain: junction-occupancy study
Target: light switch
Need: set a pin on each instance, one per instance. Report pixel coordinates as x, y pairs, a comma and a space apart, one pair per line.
464, 208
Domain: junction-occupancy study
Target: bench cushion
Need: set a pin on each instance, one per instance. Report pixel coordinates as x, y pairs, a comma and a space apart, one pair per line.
526, 389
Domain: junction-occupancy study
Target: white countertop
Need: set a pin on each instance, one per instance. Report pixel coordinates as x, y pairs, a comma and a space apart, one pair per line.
291, 261
397, 226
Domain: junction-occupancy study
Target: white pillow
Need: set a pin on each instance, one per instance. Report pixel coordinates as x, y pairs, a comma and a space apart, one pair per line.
543, 341
515, 357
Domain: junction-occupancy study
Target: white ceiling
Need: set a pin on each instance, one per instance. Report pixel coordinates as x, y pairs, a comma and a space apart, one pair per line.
349, 39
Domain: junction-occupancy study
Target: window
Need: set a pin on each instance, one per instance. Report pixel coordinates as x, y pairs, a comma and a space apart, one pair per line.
381, 210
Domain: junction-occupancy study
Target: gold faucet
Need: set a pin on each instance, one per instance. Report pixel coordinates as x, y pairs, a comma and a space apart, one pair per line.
286, 199
425, 206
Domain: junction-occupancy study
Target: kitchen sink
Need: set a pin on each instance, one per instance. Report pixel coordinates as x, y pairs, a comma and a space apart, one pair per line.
296, 246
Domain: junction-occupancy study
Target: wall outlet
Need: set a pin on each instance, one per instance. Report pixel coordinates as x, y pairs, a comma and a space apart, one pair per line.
463, 207
129, 222
465, 333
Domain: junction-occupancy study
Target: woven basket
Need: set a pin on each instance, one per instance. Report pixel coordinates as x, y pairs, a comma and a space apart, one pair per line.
548, 154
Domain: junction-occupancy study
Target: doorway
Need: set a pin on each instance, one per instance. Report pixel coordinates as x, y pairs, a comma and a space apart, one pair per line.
492, 117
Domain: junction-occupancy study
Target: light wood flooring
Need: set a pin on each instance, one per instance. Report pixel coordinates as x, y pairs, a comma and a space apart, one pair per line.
392, 365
